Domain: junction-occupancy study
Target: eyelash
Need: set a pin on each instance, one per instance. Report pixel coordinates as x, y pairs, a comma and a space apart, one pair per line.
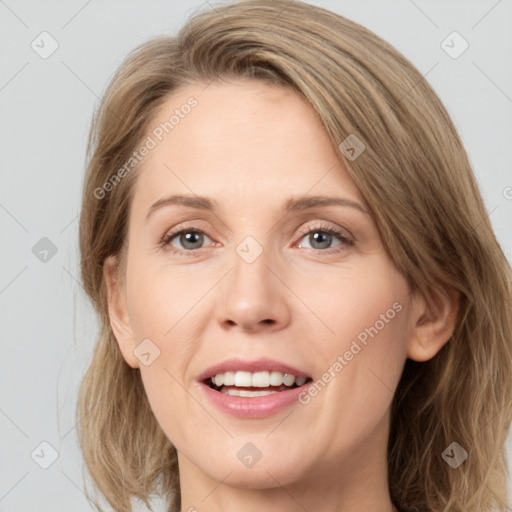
345, 240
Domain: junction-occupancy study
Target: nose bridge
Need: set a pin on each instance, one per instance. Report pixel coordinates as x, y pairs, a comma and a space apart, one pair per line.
251, 267
252, 295
251, 277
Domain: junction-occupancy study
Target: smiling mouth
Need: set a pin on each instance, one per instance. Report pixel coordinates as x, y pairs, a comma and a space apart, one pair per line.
246, 384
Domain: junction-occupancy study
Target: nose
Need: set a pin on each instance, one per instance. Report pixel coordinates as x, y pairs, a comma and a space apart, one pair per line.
253, 296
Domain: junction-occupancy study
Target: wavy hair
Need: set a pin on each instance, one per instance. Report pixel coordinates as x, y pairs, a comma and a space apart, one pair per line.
415, 176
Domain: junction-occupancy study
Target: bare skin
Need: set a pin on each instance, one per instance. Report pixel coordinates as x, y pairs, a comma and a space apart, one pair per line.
250, 147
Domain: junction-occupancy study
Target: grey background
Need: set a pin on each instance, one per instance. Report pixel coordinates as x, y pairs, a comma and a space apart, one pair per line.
46, 106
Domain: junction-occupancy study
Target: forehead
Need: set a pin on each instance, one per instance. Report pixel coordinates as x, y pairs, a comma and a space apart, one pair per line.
246, 142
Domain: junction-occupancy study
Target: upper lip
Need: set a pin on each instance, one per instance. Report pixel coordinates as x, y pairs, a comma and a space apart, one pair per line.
257, 365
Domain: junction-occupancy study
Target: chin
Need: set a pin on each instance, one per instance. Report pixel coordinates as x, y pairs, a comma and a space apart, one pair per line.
268, 472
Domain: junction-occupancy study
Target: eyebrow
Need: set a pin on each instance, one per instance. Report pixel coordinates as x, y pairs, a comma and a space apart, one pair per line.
291, 205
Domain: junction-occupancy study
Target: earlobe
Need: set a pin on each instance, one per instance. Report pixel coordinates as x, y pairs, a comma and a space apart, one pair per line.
118, 311
434, 323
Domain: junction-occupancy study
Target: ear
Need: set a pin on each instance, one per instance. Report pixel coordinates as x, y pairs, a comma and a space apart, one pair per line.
434, 322
118, 311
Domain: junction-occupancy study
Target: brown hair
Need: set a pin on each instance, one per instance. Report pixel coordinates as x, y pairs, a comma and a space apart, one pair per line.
416, 177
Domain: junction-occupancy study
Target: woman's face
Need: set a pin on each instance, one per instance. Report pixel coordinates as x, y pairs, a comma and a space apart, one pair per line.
253, 273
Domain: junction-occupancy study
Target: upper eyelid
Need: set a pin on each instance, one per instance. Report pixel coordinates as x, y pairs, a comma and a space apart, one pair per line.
321, 224
303, 231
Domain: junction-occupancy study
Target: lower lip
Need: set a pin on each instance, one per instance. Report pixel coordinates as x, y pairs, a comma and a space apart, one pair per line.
255, 407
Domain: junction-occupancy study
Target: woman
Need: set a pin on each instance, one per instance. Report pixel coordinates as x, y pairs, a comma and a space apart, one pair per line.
303, 305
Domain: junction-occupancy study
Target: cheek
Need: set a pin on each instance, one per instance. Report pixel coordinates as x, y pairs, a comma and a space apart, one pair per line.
163, 307
362, 303
159, 298
361, 359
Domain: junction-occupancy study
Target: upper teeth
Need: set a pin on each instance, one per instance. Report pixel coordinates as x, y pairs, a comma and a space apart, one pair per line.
257, 379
